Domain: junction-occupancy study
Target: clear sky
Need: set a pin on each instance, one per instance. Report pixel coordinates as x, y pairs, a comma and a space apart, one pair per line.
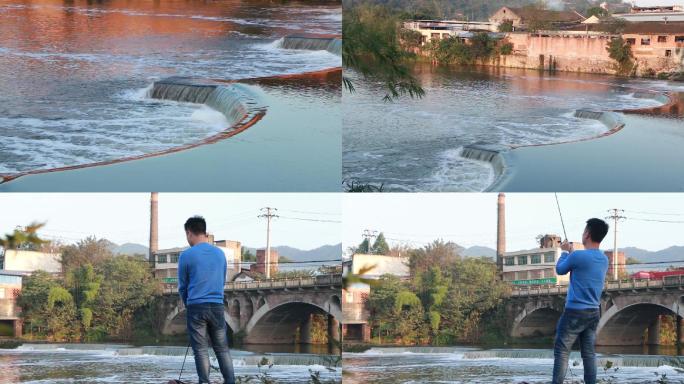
123, 218
470, 218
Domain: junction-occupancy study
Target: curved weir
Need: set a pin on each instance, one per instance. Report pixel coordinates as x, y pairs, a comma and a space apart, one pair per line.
235, 101
497, 155
232, 100
330, 44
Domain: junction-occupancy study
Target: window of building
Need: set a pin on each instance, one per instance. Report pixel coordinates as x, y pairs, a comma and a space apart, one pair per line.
174, 258
645, 41
679, 39
631, 41
549, 257
668, 52
522, 260
549, 272
510, 261
161, 258
536, 259
521, 275
435, 36
7, 279
509, 276
537, 274
662, 39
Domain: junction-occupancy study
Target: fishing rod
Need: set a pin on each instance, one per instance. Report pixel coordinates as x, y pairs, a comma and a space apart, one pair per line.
561, 216
183, 366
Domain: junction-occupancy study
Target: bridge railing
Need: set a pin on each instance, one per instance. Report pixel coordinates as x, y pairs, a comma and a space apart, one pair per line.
300, 282
614, 285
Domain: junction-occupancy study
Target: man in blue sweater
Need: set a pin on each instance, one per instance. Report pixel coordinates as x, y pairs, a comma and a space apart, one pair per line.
201, 277
580, 318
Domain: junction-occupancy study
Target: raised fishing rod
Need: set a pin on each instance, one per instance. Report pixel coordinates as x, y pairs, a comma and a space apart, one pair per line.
561, 216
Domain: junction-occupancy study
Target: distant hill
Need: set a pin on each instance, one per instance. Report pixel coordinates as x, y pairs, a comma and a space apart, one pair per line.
478, 251
324, 252
128, 249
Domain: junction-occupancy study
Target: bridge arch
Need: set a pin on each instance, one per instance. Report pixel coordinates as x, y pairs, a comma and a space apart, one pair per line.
277, 323
626, 325
175, 322
537, 320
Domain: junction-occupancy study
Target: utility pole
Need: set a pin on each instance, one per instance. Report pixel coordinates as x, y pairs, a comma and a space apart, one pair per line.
268, 215
615, 215
368, 235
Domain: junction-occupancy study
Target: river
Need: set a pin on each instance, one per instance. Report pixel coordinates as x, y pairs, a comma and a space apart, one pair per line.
415, 145
91, 363
74, 75
476, 366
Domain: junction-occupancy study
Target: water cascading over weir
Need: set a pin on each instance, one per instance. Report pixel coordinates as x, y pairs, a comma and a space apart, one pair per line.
232, 100
330, 44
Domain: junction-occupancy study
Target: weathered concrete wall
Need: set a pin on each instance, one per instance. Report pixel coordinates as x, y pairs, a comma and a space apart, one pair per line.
19, 260
569, 53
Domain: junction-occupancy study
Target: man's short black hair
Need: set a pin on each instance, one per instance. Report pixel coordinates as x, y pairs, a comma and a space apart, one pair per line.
196, 225
597, 229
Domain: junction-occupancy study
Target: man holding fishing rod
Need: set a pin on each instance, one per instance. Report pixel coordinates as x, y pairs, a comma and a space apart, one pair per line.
201, 278
580, 318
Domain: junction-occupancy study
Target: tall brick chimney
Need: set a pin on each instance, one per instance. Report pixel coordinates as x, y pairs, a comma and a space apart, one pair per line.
154, 225
500, 231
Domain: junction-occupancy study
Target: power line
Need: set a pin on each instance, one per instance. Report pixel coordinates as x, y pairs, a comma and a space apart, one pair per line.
313, 212
309, 219
658, 221
656, 213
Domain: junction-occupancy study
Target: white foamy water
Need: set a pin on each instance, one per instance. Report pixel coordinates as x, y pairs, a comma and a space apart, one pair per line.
88, 364
406, 365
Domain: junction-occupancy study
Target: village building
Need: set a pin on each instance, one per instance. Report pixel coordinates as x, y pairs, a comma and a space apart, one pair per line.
355, 315
657, 45
525, 17
668, 13
165, 261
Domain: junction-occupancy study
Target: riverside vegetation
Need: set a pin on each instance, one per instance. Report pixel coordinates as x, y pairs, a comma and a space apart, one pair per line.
447, 299
100, 296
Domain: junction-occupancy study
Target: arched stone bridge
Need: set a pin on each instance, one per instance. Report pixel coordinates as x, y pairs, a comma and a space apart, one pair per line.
269, 311
628, 309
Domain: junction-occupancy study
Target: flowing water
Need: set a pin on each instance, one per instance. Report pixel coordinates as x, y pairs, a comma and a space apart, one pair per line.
75, 75
416, 145
470, 365
123, 364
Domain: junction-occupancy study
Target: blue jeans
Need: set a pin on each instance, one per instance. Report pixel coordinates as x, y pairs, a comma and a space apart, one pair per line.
574, 324
206, 322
